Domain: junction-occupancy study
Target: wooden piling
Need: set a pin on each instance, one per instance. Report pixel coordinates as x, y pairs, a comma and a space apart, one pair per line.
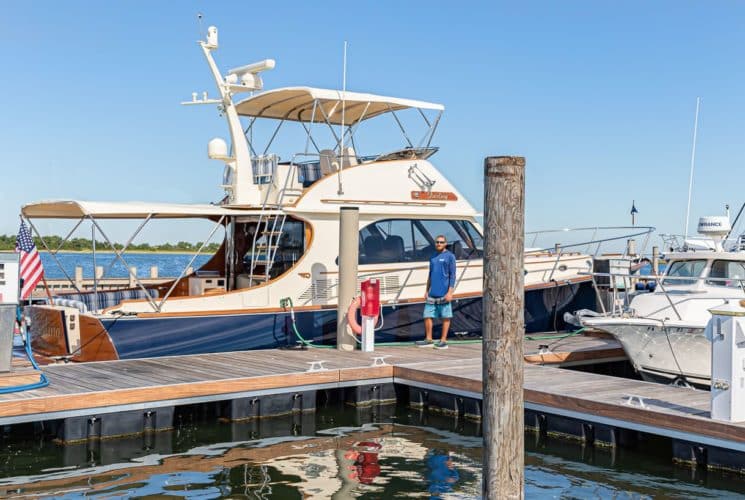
503, 327
655, 260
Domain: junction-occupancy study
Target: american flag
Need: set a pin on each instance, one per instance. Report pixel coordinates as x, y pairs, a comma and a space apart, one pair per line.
31, 270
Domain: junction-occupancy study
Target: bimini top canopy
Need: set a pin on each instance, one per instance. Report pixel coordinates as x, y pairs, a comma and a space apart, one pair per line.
72, 209
297, 104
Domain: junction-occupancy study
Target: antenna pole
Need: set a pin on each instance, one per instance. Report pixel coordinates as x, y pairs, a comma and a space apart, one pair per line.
343, 103
199, 23
693, 163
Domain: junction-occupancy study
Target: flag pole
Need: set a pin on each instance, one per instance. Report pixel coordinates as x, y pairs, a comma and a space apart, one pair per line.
46, 287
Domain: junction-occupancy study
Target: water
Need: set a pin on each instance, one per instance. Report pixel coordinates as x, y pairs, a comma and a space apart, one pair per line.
337, 452
169, 264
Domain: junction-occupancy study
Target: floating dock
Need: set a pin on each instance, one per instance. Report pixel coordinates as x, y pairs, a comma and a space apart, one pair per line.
117, 398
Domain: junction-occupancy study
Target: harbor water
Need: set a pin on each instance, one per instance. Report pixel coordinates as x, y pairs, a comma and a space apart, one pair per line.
337, 452
168, 264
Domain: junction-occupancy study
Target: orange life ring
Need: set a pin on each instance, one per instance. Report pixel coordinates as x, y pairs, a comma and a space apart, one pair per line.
352, 316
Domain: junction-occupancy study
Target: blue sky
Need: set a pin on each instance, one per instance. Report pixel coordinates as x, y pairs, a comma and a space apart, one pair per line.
598, 96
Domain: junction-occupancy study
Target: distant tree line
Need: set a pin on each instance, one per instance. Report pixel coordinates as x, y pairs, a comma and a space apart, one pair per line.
8, 242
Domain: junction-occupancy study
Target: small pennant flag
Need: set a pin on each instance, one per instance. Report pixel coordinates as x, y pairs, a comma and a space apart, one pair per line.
31, 271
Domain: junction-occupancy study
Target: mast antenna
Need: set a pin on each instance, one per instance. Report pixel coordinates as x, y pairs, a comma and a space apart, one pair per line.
199, 24
693, 163
343, 103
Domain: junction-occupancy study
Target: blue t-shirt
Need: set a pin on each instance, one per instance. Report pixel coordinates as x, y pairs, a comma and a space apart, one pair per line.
441, 274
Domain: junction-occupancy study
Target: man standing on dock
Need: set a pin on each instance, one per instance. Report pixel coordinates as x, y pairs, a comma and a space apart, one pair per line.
439, 293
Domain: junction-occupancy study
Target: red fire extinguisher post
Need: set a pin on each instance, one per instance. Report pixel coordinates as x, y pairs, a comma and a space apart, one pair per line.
370, 308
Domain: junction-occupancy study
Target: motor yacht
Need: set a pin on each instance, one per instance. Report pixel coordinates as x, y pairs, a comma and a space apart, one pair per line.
662, 325
274, 281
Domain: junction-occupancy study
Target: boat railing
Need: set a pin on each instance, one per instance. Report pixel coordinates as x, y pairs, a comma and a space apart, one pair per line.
683, 243
620, 297
590, 246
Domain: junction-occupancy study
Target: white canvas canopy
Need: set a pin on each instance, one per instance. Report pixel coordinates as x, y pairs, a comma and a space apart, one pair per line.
298, 103
75, 209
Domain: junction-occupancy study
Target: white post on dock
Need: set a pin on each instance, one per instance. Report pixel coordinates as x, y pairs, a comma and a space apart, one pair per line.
726, 332
349, 218
132, 276
153, 271
503, 327
79, 277
655, 260
96, 274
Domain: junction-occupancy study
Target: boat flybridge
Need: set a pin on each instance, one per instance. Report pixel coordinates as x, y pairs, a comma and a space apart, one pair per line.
278, 261
661, 327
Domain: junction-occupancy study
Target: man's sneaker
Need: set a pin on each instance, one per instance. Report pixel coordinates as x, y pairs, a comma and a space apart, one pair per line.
424, 343
441, 345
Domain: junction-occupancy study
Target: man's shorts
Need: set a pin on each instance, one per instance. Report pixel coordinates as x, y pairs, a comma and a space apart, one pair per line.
440, 310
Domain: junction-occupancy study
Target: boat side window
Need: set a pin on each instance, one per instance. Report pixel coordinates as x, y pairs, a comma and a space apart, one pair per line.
684, 269
412, 240
729, 273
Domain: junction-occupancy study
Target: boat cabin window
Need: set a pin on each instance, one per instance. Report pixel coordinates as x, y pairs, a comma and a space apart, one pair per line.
684, 269
413, 240
730, 273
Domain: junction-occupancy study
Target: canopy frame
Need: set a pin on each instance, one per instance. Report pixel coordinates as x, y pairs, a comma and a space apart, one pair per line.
119, 254
314, 102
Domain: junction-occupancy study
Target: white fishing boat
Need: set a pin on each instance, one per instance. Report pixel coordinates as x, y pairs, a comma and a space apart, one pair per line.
275, 276
662, 330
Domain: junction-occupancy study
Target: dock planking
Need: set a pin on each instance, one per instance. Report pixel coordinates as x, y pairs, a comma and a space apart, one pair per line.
110, 386
114, 386
675, 412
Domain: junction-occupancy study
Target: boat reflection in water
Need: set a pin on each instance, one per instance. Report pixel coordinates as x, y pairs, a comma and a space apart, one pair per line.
333, 455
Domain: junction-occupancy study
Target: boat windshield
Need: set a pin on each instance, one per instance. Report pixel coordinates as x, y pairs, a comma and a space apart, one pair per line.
729, 273
680, 269
413, 240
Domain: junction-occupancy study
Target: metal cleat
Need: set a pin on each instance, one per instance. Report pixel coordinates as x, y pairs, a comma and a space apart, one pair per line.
631, 398
316, 366
380, 360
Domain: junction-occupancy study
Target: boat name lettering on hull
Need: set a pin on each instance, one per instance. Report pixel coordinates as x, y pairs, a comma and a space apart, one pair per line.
434, 195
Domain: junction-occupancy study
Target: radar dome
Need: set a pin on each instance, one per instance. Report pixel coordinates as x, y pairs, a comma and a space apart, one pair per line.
217, 149
716, 228
713, 226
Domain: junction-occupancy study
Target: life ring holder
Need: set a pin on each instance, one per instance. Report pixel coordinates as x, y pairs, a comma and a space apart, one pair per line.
352, 315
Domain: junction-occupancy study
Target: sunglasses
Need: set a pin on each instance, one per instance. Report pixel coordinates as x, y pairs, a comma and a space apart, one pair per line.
440, 242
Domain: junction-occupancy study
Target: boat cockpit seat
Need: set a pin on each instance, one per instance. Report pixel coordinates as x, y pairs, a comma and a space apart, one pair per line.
329, 163
393, 249
456, 248
373, 246
349, 158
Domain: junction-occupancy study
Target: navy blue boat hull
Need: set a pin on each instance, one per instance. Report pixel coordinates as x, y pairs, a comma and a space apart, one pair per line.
135, 337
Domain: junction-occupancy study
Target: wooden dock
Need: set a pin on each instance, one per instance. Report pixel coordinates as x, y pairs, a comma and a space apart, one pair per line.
586, 406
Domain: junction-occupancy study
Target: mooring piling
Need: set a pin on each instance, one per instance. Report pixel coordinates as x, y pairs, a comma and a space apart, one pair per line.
503, 327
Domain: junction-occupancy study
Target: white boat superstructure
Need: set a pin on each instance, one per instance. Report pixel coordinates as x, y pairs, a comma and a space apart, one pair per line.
662, 331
